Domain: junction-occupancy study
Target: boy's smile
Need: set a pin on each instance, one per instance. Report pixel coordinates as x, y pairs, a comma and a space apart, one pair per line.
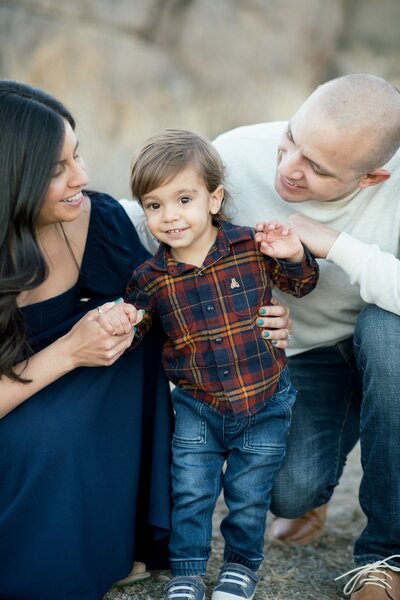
179, 213
176, 233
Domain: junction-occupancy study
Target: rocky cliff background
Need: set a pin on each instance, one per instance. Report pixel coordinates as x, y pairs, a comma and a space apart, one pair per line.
128, 68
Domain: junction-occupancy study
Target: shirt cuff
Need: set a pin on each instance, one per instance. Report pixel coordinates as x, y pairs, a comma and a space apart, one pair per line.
345, 250
308, 264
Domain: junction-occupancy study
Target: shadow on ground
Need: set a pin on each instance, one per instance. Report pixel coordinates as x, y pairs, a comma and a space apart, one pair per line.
303, 573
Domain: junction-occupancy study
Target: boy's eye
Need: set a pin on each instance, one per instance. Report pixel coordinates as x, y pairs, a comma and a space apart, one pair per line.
152, 206
184, 200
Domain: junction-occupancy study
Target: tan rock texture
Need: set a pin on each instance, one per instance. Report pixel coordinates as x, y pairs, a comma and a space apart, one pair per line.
128, 68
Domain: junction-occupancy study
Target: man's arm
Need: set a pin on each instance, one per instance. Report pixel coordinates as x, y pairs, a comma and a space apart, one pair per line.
375, 271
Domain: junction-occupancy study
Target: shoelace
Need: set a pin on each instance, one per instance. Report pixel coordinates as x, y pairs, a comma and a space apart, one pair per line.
184, 590
366, 575
240, 579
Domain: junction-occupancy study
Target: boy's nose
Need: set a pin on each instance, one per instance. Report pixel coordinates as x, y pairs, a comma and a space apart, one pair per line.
170, 214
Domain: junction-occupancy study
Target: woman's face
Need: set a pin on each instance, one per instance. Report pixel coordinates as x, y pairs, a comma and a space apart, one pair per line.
63, 200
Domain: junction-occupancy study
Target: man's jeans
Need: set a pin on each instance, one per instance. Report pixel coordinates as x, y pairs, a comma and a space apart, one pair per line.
253, 448
346, 392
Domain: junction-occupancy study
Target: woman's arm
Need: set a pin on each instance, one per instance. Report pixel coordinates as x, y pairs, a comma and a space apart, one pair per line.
85, 345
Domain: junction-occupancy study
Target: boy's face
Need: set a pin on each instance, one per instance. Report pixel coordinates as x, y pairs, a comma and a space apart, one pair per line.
179, 213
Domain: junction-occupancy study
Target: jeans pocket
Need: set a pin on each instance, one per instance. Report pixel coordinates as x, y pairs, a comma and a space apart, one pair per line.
190, 427
286, 397
268, 429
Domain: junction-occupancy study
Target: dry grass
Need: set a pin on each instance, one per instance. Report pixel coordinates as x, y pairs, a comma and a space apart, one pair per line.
302, 573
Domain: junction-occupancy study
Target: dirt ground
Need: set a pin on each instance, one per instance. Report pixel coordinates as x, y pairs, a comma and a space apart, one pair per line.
302, 573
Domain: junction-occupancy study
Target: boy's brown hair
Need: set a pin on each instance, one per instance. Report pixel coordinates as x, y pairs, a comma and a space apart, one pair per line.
165, 154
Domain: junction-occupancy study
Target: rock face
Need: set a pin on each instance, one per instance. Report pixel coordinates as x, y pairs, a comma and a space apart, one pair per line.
128, 68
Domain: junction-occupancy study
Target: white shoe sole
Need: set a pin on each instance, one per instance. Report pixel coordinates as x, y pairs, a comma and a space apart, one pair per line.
216, 595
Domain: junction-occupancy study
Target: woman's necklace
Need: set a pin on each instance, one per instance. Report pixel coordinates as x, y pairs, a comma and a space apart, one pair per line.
69, 247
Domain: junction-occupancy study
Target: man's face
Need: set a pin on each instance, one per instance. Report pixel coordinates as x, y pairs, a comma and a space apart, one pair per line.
315, 161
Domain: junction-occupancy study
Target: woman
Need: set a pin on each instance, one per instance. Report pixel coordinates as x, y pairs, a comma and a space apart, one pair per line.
84, 452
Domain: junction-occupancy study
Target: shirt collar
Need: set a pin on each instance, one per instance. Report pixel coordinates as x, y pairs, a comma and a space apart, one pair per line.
228, 235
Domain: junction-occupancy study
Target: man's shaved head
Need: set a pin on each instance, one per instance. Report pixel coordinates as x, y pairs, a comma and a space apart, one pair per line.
367, 106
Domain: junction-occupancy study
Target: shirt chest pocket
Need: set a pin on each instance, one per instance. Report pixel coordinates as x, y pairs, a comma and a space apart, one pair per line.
246, 295
175, 315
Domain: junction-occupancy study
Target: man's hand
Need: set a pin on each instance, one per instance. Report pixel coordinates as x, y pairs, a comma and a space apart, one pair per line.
318, 238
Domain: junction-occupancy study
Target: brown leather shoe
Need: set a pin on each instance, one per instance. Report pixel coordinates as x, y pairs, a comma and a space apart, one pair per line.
375, 581
302, 530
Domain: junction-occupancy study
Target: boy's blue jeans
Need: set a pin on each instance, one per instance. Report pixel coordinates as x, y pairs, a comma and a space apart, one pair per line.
253, 448
347, 392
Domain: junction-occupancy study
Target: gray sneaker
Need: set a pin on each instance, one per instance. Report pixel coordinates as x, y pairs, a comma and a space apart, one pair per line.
235, 582
185, 587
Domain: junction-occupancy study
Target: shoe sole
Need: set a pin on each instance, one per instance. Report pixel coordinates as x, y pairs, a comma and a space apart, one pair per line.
133, 579
216, 595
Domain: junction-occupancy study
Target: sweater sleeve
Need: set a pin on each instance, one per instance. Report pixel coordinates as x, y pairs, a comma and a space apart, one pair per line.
375, 271
136, 215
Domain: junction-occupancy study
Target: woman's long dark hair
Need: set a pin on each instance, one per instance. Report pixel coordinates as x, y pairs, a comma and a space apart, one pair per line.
31, 138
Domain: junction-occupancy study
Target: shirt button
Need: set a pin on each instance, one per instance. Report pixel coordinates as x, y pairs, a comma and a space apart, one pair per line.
201, 273
209, 308
218, 340
226, 373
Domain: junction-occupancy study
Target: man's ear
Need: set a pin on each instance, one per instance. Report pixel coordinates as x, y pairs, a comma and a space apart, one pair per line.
373, 178
216, 198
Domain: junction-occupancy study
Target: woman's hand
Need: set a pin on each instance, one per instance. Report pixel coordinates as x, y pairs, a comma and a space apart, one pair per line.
276, 324
89, 345
119, 317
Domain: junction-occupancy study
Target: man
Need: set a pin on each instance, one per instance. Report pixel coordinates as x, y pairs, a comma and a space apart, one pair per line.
337, 161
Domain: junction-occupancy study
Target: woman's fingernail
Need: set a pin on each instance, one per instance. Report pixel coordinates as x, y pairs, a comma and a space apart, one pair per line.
143, 311
262, 311
117, 300
134, 328
265, 333
260, 322
274, 341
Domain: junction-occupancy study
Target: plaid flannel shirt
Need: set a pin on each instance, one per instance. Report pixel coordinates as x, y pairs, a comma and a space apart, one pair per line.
214, 349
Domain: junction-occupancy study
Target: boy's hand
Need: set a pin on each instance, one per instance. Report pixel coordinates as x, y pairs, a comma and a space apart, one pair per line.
118, 318
279, 240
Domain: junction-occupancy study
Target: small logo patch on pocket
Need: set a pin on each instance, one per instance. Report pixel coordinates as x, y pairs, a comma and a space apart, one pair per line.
234, 283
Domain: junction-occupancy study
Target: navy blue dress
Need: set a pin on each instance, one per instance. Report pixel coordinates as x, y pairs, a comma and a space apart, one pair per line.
85, 463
